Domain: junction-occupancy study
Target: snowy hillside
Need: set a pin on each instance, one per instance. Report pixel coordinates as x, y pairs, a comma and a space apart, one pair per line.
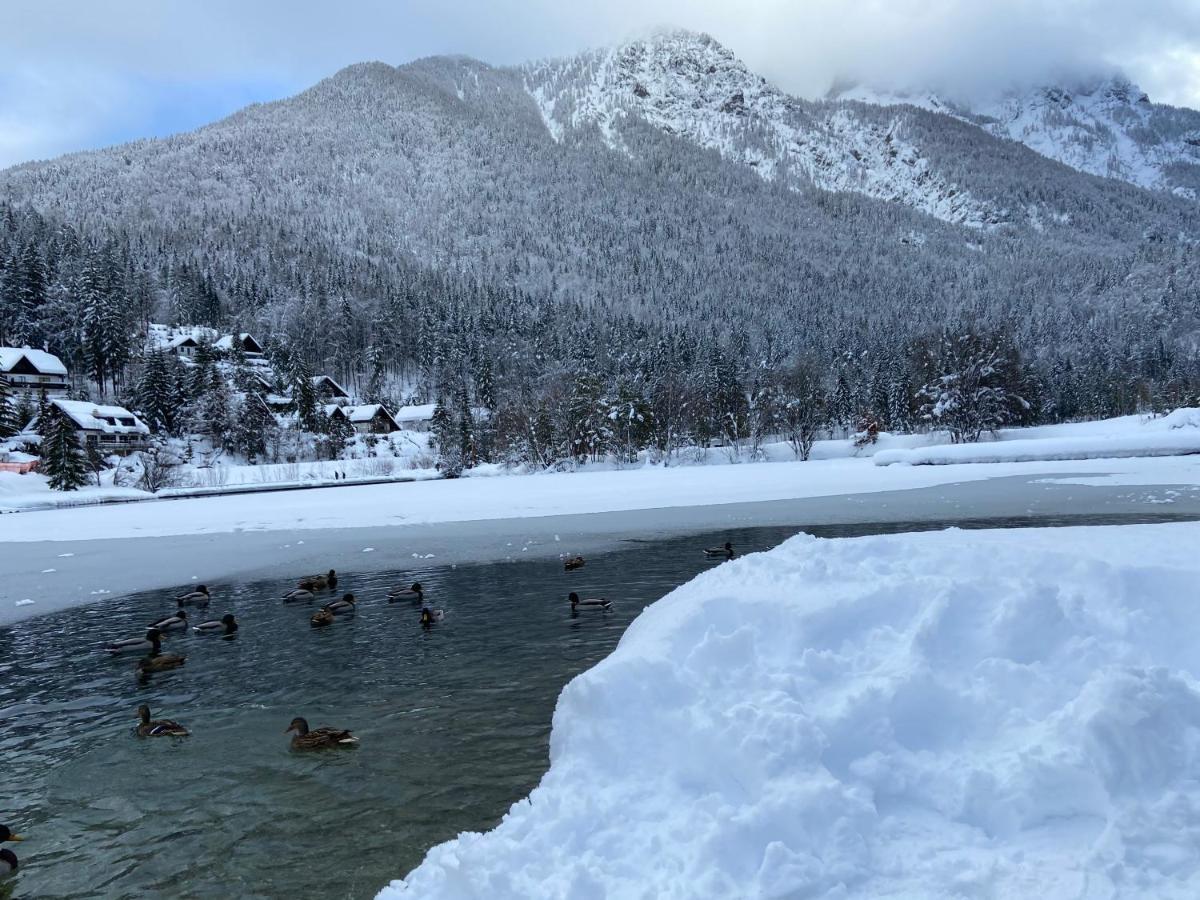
689, 85
1103, 126
1002, 714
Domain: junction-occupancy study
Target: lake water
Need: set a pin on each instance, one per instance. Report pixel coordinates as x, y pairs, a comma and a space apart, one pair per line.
454, 722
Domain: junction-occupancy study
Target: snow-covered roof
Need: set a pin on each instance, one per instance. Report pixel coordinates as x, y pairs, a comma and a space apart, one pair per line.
106, 419
364, 413
422, 413
318, 380
46, 363
225, 342
166, 337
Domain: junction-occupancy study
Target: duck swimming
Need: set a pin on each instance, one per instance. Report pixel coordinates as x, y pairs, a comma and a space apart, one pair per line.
318, 739
321, 618
8, 859
226, 625
175, 622
725, 552
198, 597
575, 562
590, 603
339, 607
160, 662
159, 727
297, 595
415, 593
149, 644
431, 616
319, 582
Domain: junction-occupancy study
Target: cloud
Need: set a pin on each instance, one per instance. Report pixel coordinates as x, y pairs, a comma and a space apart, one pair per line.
76, 73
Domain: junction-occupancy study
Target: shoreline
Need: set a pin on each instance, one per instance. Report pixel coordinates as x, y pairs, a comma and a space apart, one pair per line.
60, 574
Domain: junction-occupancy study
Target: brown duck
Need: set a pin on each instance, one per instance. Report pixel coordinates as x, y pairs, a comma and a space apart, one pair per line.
317, 739
157, 727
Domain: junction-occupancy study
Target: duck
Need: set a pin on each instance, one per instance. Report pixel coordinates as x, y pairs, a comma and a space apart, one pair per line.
173, 622
318, 582
321, 618
575, 562
158, 727
8, 859
345, 605
431, 616
226, 625
160, 662
198, 597
149, 644
297, 595
590, 603
725, 552
415, 593
318, 739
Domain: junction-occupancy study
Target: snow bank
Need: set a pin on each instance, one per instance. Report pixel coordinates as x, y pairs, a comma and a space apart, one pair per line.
1177, 434
936, 715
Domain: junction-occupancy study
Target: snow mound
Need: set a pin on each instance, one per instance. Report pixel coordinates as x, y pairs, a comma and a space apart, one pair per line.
948, 714
1177, 434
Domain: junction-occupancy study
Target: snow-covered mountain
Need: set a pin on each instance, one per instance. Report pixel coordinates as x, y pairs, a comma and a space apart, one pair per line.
1104, 126
687, 84
660, 180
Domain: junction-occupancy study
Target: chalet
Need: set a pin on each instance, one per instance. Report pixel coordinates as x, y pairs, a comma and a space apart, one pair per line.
110, 429
415, 418
370, 418
252, 348
33, 371
329, 390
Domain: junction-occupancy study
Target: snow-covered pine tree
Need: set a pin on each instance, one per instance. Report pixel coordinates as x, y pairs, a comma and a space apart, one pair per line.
447, 440
63, 460
339, 433
8, 411
253, 427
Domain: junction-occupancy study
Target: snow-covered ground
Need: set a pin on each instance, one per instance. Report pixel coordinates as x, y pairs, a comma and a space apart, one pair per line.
1177, 434
1001, 714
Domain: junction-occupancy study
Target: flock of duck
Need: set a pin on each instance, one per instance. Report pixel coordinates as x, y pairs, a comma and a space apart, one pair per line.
307, 589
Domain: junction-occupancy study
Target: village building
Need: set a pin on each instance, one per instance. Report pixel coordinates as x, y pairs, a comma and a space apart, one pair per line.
329, 390
369, 418
110, 429
33, 371
416, 418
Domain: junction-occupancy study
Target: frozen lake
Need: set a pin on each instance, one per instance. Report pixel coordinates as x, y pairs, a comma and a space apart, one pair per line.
454, 722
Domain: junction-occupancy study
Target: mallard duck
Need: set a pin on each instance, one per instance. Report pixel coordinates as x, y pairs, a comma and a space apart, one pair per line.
431, 616
590, 603
175, 622
198, 597
415, 593
8, 859
298, 595
160, 662
321, 618
340, 607
159, 727
320, 739
149, 644
575, 562
725, 552
318, 582
226, 625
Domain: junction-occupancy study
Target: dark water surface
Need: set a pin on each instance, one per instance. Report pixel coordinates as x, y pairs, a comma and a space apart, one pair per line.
454, 722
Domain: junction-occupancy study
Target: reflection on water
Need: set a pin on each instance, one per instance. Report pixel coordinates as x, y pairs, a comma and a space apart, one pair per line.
454, 724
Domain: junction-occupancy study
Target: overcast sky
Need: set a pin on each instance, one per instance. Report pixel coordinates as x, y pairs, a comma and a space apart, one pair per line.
76, 74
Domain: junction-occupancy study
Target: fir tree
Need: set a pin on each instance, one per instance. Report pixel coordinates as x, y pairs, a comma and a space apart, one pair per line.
63, 460
8, 412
